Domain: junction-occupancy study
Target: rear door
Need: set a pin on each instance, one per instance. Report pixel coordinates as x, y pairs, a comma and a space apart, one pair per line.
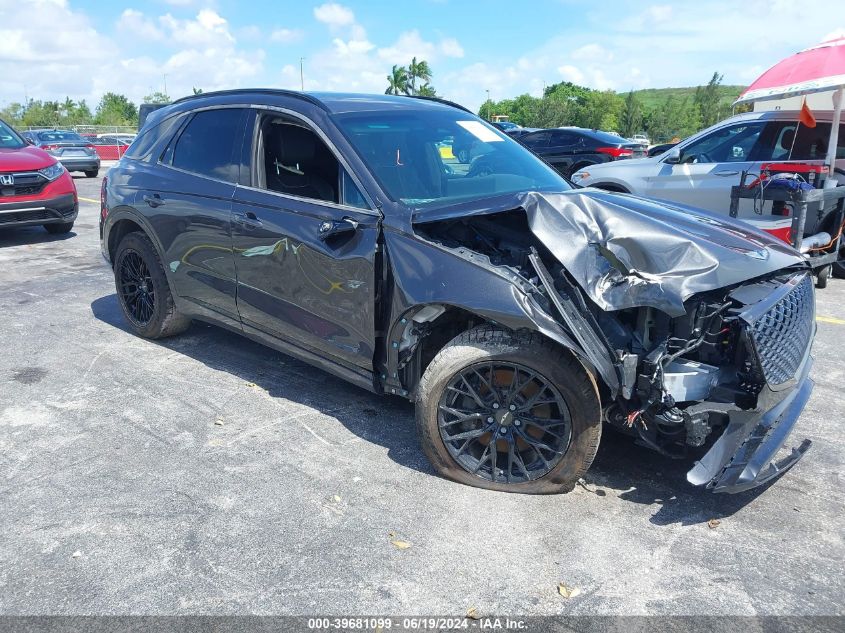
562, 150
537, 142
709, 167
189, 203
305, 240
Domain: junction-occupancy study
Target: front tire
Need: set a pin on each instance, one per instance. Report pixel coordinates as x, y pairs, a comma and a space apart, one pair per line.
142, 289
531, 402
58, 229
92, 174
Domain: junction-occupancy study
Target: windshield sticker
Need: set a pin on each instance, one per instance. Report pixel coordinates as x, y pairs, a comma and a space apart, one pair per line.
479, 131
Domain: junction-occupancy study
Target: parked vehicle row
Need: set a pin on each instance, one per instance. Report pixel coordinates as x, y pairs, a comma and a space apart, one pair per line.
519, 315
107, 147
569, 149
73, 151
700, 170
35, 188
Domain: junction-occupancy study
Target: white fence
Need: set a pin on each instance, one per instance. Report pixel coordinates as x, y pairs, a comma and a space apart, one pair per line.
90, 129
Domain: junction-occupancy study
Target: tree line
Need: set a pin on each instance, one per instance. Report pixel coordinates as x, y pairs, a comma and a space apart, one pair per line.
113, 109
566, 103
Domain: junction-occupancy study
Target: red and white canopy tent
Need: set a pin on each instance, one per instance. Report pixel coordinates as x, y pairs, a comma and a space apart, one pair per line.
820, 68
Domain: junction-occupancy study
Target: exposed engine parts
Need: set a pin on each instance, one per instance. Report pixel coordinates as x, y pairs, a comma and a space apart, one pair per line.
671, 380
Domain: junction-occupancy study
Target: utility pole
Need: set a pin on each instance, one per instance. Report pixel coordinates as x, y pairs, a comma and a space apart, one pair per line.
301, 75
489, 105
165, 84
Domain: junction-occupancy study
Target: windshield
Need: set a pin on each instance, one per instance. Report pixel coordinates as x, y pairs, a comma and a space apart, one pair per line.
59, 136
9, 138
427, 158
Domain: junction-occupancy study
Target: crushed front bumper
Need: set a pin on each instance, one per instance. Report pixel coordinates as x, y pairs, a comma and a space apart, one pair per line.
742, 458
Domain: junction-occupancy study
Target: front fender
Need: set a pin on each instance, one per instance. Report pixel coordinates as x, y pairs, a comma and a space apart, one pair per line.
425, 274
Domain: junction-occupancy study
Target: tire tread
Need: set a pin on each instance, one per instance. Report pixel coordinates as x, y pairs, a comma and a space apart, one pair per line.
501, 341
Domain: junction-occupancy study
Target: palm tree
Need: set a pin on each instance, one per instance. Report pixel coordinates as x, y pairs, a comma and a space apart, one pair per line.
427, 90
418, 70
397, 81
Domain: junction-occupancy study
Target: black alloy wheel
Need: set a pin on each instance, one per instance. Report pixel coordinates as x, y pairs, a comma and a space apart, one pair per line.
136, 288
504, 422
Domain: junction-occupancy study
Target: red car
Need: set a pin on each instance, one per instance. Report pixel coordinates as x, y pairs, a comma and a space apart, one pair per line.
34, 187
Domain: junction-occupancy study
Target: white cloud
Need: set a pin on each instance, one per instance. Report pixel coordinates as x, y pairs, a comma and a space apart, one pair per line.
408, 45
836, 34
451, 48
411, 44
135, 24
571, 73
61, 64
334, 15
592, 53
660, 13
208, 29
286, 36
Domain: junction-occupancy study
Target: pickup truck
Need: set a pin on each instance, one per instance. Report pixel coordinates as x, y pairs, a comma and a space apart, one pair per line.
520, 315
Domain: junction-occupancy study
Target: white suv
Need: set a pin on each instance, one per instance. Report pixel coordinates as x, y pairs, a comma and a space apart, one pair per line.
699, 171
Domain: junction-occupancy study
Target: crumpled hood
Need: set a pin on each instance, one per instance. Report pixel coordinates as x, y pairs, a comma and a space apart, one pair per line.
627, 252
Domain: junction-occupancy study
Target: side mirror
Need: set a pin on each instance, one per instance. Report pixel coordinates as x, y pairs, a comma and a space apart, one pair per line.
29, 141
673, 156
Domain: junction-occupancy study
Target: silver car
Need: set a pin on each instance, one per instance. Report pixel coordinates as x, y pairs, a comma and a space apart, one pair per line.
699, 171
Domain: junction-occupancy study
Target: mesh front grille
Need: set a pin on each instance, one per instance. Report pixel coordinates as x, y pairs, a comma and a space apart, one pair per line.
25, 216
782, 334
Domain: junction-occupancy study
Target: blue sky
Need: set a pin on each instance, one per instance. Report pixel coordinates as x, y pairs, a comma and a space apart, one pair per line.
82, 48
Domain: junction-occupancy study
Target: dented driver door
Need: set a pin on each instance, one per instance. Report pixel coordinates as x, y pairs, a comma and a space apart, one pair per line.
304, 243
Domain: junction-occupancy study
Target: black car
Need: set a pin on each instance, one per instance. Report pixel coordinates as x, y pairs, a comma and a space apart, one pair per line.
571, 148
69, 148
656, 150
518, 314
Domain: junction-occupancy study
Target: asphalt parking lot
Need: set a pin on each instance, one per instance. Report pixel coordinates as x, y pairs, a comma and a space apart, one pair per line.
207, 474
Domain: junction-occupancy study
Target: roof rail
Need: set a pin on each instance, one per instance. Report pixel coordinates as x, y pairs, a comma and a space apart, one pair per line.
268, 91
443, 101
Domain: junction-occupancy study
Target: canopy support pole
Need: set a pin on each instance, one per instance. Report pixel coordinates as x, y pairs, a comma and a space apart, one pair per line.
834, 131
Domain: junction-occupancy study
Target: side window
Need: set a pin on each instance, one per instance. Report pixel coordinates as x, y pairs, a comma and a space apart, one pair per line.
806, 144
352, 196
207, 144
540, 139
732, 144
143, 143
295, 161
563, 139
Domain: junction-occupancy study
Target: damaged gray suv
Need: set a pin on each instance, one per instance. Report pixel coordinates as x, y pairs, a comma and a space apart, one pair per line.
519, 315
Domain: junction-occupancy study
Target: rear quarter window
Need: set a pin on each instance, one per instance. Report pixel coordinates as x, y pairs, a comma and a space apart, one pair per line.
144, 142
207, 144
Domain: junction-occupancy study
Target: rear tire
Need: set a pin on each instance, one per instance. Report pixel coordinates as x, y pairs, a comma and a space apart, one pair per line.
58, 229
92, 174
555, 402
142, 289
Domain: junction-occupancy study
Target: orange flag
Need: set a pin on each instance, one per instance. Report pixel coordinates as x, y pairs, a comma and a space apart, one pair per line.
806, 117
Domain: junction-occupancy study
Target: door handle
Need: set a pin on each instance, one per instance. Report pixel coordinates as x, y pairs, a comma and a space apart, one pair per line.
154, 200
330, 228
248, 220
725, 173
